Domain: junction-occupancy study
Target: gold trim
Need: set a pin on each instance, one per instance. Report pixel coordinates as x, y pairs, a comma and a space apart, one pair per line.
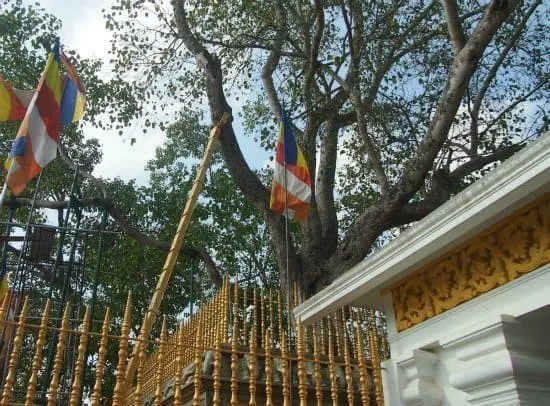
515, 246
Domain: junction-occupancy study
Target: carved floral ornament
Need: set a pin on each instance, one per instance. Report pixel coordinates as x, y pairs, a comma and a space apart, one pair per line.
516, 246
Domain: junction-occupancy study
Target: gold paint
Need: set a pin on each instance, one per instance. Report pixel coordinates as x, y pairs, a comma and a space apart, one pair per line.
198, 367
180, 364
160, 364
102, 354
302, 377
347, 360
234, 342
142, 357
317, 368
376, 369
120, 386
252, 360
262, 326
360, 355
38, 354
515, 246
332, 365
217, 368
79, 365
58, 360
285, 372
15, 354
268, 369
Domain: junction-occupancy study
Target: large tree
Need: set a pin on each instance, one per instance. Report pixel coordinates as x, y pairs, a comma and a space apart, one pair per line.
397, 104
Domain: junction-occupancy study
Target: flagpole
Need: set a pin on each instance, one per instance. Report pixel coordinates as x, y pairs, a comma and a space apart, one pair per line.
4, 194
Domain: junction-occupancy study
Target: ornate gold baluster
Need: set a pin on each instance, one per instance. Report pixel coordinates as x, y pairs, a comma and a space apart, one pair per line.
332, 366
102, 354
280, 315
198, 367
245, 312
58, 360
347, 360
377, 375
337, 331
38, 354
79, 365
180, 365
160, 364
226, 310
119, 392
268, 369
262, 326
252, 361
322, 336
317, 368
270, 312
363, 374
138, 393
217, 368
4, 313
302, 377
285, 372
234, 342
15, 353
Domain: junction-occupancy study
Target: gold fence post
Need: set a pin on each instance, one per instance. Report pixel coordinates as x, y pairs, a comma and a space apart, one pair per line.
119, 393
347, 360
363, 375
377, 375
179, 368
252, 362
268, 369
198, 366
217, 367
285, 372
332, 366
15, 353
234, 342
317, 368
58, 360
302, 377
79, 365
38, 354
138, 392
102, 355
160, 364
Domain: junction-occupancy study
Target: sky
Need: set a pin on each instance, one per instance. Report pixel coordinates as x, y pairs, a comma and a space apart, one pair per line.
84, 31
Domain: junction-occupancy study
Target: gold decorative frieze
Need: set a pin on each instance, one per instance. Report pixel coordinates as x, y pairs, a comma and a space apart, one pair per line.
515, 246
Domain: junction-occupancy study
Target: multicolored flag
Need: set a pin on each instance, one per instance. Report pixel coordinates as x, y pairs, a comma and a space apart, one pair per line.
73, 98
291, 189
13, 102
36, 142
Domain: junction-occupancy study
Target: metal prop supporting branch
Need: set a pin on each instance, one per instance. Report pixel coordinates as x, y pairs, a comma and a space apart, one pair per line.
177, 243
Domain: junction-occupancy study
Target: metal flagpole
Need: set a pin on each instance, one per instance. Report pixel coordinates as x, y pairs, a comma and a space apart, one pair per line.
177, 243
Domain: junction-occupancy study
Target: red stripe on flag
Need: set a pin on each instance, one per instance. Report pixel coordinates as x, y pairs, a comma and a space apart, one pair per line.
49, 112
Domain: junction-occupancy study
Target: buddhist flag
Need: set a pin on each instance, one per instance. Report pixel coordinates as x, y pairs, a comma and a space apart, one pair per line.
36, 142
73, 99
13, 102
291, 189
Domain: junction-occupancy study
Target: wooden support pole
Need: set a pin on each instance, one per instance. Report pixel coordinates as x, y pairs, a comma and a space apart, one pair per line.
175, 248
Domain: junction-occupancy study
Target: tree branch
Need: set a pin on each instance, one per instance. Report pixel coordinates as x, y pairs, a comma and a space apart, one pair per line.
453, 25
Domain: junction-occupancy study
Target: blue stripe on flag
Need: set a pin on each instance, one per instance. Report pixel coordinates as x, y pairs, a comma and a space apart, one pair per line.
68, 101
291, 150
18, 147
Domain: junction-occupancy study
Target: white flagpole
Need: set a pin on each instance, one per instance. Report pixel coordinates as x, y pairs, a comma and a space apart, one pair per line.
4, 194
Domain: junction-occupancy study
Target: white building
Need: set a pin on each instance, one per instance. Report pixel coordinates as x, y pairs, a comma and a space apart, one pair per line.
466, 292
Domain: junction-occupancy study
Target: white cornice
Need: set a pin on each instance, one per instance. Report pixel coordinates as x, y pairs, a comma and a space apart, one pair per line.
519, 180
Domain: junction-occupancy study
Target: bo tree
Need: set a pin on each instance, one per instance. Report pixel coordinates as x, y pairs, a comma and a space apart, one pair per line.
401, 103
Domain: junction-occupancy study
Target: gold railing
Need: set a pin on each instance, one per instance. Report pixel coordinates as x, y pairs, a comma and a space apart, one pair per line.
237, 349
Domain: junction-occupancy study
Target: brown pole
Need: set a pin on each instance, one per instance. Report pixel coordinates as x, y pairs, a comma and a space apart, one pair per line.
172, 256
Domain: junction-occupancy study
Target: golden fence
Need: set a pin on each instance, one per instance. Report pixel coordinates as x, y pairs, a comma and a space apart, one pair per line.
240, 348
